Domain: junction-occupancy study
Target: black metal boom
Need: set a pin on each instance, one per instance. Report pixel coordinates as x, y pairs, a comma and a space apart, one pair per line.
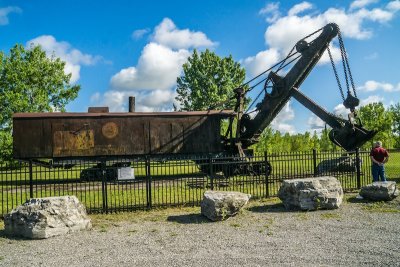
347, 134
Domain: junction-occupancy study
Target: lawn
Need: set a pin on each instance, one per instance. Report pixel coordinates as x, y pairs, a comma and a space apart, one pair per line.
172, 182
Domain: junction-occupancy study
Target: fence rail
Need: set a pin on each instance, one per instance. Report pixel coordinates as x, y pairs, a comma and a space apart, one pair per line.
130, 183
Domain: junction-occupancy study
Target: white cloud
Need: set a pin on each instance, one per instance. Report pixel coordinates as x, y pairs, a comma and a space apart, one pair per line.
393, 5
361, 3
371, 86
146, 101
95, 97
73, 57
371, 99
280, 123
5, 11
284, 31
340, 110
116, 101
271, 11
152, 80
315, 123
376, 14
138, 34
284, 128
262, 61
168, 35
157, 68
296, 9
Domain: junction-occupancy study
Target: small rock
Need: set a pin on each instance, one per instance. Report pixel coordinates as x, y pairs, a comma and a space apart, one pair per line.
41, 218
311, 193
220, 205
380, 191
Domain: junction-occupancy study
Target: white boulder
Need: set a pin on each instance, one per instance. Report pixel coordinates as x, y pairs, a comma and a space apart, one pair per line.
220, 205
41, 218
311, 193
380, 191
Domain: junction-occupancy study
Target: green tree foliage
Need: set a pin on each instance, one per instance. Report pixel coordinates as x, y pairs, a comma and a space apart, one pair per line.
273, 141
266, 139
208, 80
395, 111
325, 143
375, 117
315, 144
31, 82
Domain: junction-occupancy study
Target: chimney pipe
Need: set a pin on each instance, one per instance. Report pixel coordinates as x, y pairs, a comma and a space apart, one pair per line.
131, 104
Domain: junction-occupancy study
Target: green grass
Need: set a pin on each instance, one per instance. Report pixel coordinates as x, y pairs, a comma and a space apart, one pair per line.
164, 192
43, 174
14, 185
160, 215
329, 215
384, 207
303, 216
392, 167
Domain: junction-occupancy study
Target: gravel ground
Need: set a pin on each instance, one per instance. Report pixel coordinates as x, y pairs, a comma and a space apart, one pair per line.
357, 234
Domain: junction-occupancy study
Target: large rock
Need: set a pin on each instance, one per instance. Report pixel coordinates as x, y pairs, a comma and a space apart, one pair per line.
46, 217
311, 193
380, 191
220, 205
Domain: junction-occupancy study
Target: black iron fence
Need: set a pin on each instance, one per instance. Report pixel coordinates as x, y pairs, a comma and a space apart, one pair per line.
130, 183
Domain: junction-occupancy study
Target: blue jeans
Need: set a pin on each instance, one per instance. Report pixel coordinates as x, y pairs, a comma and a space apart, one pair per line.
378, 171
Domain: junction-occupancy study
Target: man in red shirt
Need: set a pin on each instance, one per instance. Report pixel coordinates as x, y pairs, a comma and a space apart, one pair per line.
379, 157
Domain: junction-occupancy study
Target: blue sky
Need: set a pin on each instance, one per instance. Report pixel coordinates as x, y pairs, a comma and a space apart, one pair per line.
119, 48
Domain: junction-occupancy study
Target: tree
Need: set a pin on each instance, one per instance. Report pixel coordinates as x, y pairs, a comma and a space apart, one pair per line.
265, 144
31, 82
375, 117
325, 143
395, 110
208, 80
315, 144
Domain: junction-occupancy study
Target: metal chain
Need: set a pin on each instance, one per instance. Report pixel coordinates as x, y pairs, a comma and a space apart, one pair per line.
346, 64
335, 71
346, 61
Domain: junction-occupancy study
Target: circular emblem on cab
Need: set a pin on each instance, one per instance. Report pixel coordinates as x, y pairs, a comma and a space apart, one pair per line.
110, 130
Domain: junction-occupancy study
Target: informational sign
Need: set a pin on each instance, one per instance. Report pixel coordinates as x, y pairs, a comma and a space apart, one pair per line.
126, 173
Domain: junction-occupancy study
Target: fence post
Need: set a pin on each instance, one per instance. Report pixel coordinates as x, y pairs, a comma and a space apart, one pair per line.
210, 166
314, 153
103, 171
148, 183
30, 179
266, 174
358, 168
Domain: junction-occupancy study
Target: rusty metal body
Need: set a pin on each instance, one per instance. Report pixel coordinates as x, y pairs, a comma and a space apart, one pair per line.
56, 135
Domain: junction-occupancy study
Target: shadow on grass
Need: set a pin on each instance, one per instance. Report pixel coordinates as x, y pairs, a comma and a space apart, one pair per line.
193, 218
273, 207
3, 233
9, 237
359, 200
